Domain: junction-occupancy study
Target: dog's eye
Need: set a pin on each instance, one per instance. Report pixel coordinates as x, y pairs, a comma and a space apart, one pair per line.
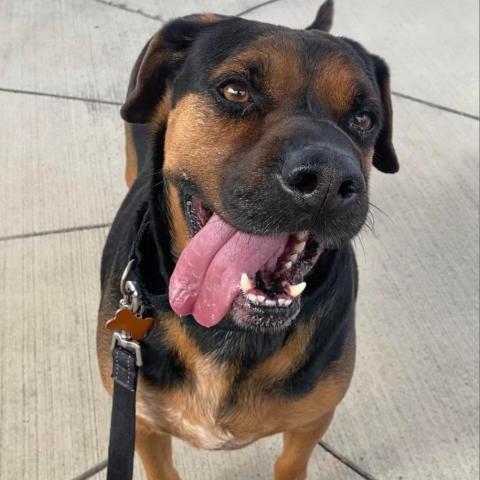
235, 92
362, 121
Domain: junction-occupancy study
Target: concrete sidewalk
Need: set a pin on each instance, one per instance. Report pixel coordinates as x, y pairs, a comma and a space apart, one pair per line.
412, 411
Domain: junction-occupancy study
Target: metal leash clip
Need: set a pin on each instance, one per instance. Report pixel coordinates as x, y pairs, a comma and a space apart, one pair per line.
130, 312
129, 290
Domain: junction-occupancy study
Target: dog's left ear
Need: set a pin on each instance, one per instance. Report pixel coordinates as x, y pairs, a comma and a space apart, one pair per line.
158, 63
324, 20
384, 157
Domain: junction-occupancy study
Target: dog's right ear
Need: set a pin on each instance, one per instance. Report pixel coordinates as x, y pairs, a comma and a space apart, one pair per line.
324, 19
159, 61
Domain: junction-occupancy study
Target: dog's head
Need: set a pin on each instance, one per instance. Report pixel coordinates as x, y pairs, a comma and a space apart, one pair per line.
274, 130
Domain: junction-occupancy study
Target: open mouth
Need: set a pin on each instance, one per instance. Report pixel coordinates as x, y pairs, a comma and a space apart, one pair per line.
273, 298
259, 278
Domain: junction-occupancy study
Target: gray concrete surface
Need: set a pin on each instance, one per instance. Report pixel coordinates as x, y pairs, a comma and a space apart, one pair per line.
412, 412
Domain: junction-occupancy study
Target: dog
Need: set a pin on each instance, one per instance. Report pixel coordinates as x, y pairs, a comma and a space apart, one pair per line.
252, 147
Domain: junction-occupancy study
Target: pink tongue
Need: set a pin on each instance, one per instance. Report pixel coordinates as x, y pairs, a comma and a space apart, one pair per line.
206, 279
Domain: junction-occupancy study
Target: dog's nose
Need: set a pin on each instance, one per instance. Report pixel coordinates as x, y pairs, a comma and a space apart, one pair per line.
321, 176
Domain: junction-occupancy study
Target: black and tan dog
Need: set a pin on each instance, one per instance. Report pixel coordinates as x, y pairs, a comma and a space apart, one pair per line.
265, 135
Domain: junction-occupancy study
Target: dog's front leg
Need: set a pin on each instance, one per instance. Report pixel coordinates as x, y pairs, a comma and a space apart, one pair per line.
298, 446
155, 451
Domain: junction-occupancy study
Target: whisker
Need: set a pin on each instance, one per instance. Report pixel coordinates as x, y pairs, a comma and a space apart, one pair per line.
359, 236
380, 210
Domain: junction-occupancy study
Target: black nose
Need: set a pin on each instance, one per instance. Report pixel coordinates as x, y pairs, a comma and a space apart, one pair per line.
322, 176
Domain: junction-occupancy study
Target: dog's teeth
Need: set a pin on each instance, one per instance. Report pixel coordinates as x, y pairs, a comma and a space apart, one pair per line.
288, 302
270, 303
253, 298
245, 283
300, 247
288, 265
260, 299
295, 290
302, 236
282, 302
293, 258
256, 299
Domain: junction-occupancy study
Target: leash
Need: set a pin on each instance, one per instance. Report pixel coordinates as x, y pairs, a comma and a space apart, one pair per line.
130, 325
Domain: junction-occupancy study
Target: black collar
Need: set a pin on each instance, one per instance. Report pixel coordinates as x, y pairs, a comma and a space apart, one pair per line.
145, 254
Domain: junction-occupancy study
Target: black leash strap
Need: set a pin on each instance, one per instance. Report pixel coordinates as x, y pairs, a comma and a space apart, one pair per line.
127, 359
122, 432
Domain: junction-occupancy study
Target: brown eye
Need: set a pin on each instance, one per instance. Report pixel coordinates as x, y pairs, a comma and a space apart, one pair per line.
362, 121
235, 92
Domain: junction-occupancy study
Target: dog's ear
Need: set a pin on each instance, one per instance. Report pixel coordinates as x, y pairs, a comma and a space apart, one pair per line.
384, 157
324, 20
159, 61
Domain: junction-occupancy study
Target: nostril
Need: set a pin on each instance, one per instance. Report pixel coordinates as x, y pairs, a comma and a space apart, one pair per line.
304, 181
347, 190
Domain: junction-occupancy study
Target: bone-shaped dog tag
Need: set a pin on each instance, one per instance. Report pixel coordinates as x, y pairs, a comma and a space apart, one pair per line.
125, 320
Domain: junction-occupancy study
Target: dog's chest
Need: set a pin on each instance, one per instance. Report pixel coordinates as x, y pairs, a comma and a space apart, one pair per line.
203, 432
194, 413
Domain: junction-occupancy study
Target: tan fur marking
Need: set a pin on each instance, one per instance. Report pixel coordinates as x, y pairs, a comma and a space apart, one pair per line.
278, 58
298, 445
155, 451
268, 414
189, 412
208, 18
336, 83
162, 110
194, 122
132, 161
280, 364
178, 226
367, 161
175, 335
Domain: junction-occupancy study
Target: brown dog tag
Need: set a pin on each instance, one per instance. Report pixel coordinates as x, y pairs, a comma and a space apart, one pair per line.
125, 320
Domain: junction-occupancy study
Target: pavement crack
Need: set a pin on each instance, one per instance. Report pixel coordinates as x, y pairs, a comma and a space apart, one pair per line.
256, 7
58, 231
347, 462
92, 471
435, 105
62, 97
125, 8
159, 18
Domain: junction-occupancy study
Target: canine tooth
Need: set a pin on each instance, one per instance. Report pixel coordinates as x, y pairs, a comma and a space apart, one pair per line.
302, 236
270, 303
288, 302
288, 265
245, 283
293, 258
295, 290
300, 247
253, 298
